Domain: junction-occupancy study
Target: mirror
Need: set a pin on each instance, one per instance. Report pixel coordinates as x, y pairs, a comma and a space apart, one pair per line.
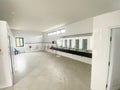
77, 44
70, 44
84, 44
65, 43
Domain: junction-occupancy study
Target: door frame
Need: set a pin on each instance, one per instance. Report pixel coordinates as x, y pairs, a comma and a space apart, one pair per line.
109, 61
11, 59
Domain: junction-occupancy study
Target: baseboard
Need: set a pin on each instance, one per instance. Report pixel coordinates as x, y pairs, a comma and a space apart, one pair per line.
5, 85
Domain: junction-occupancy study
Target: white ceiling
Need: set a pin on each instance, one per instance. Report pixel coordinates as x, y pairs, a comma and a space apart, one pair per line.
44, 14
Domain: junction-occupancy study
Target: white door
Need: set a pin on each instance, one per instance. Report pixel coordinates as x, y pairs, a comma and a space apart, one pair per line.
114, 71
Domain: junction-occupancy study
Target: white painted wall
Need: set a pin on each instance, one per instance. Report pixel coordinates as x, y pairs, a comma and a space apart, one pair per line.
31, 38
101, 42
5, 62
81, 27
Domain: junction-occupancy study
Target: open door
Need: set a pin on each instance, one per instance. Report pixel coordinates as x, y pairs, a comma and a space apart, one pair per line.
114, 70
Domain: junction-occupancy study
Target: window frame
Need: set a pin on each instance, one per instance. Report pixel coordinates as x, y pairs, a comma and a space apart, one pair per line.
19, 41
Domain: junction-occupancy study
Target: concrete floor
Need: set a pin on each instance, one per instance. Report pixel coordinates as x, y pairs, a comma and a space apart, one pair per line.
45, 71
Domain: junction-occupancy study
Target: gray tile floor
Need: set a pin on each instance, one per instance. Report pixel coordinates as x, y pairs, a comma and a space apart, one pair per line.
45, 71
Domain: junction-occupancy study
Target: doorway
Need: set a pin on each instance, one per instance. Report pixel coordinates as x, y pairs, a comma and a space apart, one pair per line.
10, 50
114, 69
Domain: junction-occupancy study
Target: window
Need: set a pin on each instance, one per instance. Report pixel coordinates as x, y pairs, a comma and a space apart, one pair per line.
19, 41
48, 34
57, 32
54, 33
63, 31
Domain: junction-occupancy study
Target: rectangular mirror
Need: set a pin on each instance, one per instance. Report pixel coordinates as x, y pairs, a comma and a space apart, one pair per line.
65, 43
84, 44
77, 44
70, 44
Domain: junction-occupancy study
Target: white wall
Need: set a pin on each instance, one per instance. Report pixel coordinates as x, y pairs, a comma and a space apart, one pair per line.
101, 42
31, 38
81, 27
5, 62
26, 33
